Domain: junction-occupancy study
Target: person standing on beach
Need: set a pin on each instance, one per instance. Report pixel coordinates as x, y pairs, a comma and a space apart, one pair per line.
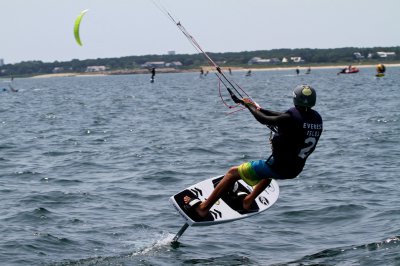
296, 134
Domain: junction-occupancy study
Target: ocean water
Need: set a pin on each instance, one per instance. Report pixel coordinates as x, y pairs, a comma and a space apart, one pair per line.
87, 165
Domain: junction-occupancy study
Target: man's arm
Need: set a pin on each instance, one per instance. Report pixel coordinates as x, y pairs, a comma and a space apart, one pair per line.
270, 113
267, 117
264, 116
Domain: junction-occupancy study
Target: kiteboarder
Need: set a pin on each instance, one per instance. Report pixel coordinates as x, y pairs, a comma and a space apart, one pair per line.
153, 74
10, 85
12, 88
296, 134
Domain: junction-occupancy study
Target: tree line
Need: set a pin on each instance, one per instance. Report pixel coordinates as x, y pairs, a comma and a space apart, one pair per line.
189, 61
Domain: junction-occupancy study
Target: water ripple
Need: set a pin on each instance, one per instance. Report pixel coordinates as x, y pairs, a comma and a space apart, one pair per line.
89, 163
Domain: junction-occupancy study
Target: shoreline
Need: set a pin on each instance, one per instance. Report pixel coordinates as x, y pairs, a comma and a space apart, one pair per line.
205, 68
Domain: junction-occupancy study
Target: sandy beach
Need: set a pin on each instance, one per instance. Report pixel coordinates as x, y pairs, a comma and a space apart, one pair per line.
205, 68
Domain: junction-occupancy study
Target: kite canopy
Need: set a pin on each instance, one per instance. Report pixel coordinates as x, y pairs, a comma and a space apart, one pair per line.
77, 25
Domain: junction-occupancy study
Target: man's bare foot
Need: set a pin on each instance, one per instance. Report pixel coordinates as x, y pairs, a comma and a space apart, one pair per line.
200, 210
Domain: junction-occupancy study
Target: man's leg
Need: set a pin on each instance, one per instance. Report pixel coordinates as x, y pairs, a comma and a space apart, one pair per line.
223, 186
248, 200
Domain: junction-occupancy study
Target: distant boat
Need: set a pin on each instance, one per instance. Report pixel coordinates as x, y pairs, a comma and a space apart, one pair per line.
349, 70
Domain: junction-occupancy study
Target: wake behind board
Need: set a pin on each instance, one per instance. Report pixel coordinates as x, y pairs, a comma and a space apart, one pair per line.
226, 209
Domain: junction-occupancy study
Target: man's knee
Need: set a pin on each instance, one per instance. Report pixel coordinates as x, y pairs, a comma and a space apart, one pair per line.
233, 173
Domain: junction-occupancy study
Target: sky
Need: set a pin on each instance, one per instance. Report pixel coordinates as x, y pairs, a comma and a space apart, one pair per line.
43, 29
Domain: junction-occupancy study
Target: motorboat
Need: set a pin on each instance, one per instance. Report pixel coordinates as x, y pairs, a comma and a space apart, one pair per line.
349, 70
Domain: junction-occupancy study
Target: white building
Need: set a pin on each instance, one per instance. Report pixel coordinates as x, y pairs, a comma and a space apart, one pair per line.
385, 54
95, 68
297, 59
156, 64
174, 64
58, 69
258, 61
1, 62
358, 56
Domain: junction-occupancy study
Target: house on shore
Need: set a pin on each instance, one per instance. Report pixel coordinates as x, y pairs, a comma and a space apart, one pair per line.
95, 69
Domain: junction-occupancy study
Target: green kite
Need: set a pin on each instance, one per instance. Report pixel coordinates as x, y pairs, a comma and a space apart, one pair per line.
77, 25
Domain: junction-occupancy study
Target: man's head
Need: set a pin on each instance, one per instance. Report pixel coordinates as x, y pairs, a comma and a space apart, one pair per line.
304, 96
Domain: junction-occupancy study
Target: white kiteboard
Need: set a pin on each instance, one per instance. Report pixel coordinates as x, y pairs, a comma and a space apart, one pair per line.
229, 207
